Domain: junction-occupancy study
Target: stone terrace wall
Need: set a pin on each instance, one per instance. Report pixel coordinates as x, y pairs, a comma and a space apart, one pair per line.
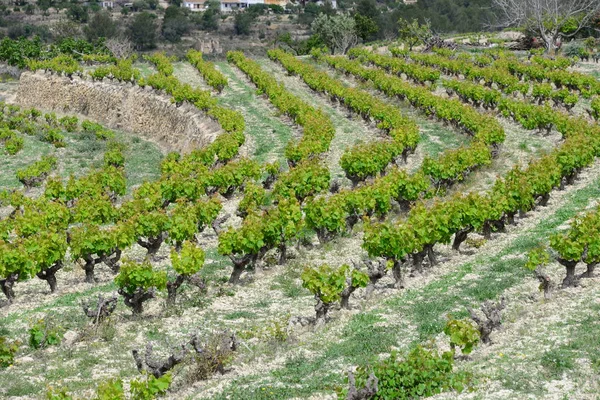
141, 111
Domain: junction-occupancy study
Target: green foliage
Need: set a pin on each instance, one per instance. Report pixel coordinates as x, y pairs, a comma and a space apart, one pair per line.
462, 334
44, 333
421, 373
413, 33
69, 123
318, 129
62, 64
213, 78
307, 179
34, 174
338, 32
189, 261
111, 389
162, 62
151, 387
328, 283
143, 30
8, 349
135, 276
537, 257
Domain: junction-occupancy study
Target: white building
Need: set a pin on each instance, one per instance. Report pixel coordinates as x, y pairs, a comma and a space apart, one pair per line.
230, 5
194, 5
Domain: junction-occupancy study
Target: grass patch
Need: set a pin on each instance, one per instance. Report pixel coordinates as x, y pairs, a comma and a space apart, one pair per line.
239, 315
269, 134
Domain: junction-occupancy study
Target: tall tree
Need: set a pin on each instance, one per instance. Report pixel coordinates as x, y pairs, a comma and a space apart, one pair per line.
142, 31
552, 20
337, 32
100, 26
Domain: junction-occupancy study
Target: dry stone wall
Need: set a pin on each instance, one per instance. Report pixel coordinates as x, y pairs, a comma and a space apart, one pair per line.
141, 111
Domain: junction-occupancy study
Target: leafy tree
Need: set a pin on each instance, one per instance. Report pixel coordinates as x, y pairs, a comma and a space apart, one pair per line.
78, 13
209, 20
101, 25
44, 5
366, 27
243, 22
175, 24
413, 33
338, 32
143, 31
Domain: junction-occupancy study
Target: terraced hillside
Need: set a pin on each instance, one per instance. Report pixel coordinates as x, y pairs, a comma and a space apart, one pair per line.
353, 207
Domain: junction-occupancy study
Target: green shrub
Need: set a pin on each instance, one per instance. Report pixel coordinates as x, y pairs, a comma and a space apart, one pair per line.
423, 372
14, 144
462, 334
8, 350
43, 334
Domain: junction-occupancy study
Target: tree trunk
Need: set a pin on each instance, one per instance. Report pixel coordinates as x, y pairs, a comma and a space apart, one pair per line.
545, 283
345, 297
570, 279
418, 261
397, 274
590, 271
113, 263
431, 255
510, 218
136, 300
282, 254
7, 286
487, 230
321, 310
172, 288
570, 179
460, 237
89, 266
152, 245
49, 275
239, 266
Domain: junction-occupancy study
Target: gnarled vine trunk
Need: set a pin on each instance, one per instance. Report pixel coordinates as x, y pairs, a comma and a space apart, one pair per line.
7, 286
49, 275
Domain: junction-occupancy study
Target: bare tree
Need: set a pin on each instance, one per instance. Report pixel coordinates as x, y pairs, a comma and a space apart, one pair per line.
552, 20
120, 47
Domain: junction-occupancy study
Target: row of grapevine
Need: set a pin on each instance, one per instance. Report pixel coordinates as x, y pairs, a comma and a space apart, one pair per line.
397, 66
62, 64
519, 191
318, 128
162, 63
122, 70
453, 165
363, 160
578, 244
512, 75
530, 116
493, 74
213, 78
13, 143
226, 146
36, 173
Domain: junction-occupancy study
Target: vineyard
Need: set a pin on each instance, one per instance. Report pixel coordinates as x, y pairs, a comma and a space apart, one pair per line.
387, 224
